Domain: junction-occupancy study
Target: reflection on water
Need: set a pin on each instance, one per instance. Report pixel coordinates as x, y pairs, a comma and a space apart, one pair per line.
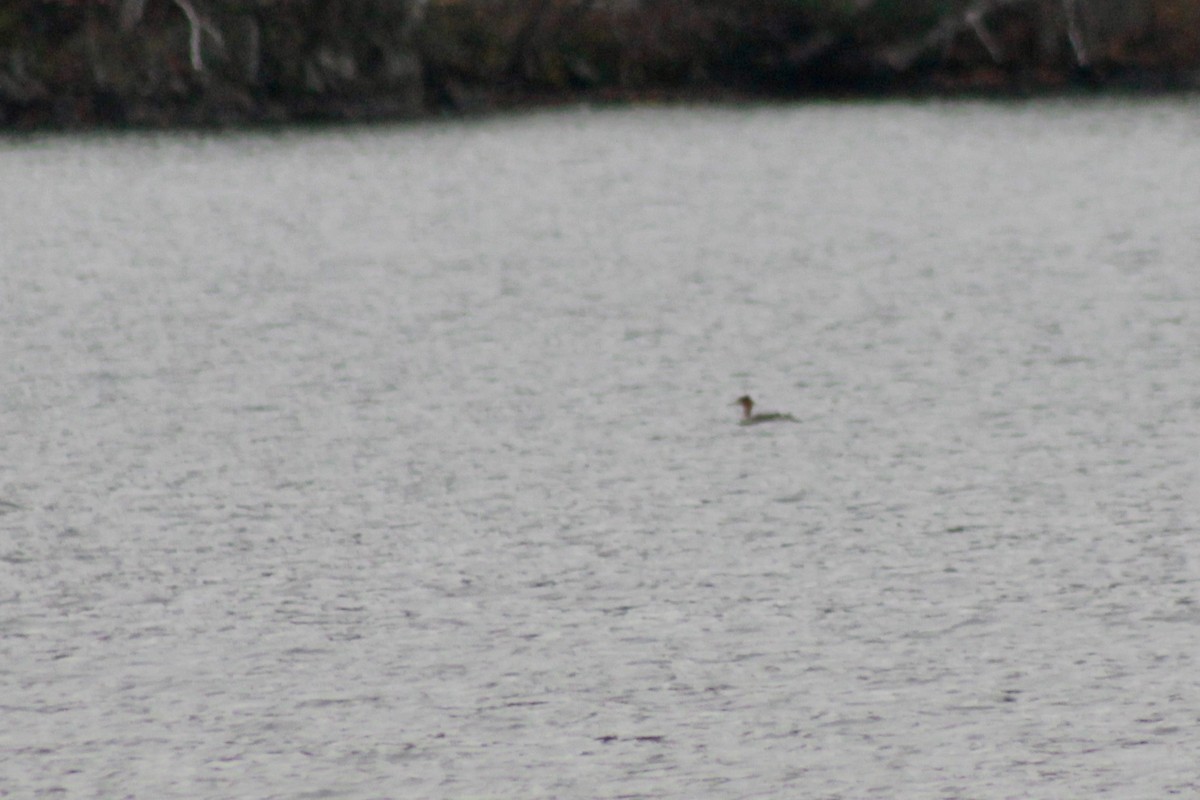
402, 460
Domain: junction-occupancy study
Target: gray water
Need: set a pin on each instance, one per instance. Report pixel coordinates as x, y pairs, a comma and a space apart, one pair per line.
400, 462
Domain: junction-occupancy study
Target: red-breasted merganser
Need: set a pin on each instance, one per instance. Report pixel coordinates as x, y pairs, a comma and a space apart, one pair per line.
750, 418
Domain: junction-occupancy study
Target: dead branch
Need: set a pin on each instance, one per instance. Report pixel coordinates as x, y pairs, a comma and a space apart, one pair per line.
131, 13
198, 26
901, 56
974, 19
1075, 32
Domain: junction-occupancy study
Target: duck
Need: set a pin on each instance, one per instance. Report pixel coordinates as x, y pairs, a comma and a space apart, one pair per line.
750, 418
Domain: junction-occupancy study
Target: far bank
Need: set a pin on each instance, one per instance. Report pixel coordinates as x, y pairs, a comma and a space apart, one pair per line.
162, 63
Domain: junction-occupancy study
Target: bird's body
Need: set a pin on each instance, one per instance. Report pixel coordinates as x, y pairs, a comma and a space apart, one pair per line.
750, 418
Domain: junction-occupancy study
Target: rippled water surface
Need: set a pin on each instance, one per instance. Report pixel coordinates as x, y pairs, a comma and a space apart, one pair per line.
400, 462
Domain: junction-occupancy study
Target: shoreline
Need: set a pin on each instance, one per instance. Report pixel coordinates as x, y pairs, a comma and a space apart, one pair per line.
102, 111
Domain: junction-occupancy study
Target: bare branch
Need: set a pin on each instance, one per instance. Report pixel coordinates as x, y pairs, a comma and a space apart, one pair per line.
131, 13
974, 19
198, 27
1075, 32
902, 56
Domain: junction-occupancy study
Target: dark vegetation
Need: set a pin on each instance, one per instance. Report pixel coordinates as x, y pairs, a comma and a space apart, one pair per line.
70, 63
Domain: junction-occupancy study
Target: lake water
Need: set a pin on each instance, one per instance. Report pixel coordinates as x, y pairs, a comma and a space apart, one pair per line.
400, 462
